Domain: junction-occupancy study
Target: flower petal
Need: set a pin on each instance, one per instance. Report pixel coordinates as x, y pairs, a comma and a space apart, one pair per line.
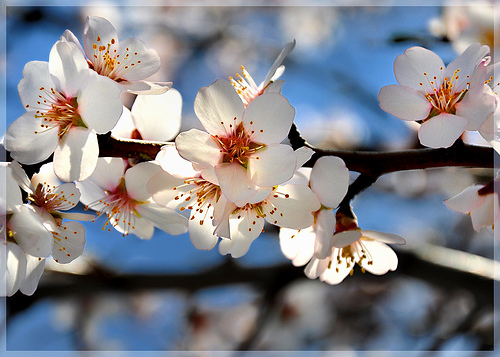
201, 232
330, 180
234, 182
75, 157
30, 233
272, 165
68, 196
99, 32
36, 79
107, 174
34, 270
383, 237
158, 117
243, 232
384, 258
69, 242
316, 267
199, 147
136, 178
145, 87
466, 201
138, 61
335, 273
441, 131
343, 239
268, 118
68, 68
404, 102
174, 164
13, 260
281, 57
417, 67
298, 246
466, 64
216, 107
99, 104
164, 218
27, 142
125, 126
483, 216
162, 187
324, 228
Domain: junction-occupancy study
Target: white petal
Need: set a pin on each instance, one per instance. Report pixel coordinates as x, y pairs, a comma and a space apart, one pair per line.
384, 258
46, 176
268, 118
68, 67
10, 194
100, 32
330, 180
17, 173
162, 188
75, 157
27, 142
13, 260
69, 242
303, 154
416, 68
404, 102
243, 232
99, 104
332, 276
383, 237
139, 226
293, 207
441, 131
145, 87
298, 246
217, 105
476, 108
465, 201
68, 195
483, 216
324, 228
234, 182
272, 165
281, 57
164, 218
316, 267
199, 147
36, 80
107, 174
261, 194
68, 36
343, 239
466, 63
201, 232
34, 270
142, 62
158, 117
174, 164
30, 233
125, 126
136, 178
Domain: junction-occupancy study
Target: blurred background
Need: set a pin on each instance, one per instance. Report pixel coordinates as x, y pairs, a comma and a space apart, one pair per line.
126, 294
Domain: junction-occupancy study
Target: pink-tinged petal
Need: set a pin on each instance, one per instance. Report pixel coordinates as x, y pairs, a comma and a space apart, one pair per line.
34, 270
108, 173
36, 79
162, 187
404, 102
483, 215
29, 232
99, 32
273, 73
17, 173
293, 206
490, 130
383, 237
441, 131
201, 233
137, 60
222, 211
417, 67
316, 267
298, 246
174, 164
324, 228
69, 36
234, 182
466, 201
68, 67
476, 108
68, 194
145, 87
28, 142
261, 194
343, 239
243, 232
10, 194
13, 260
69, 242
208, 173
217, 105
158, 117
99, 104
268, 118
75, 157
139, 226
466, 64
384, 258
300, 177
199, 147
137, 177
330, 180
303, 154
164, 218
272, 165
125, 126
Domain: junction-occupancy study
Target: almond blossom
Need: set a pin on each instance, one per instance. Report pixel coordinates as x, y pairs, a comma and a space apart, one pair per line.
119, 192
127, 63
448, 100
246, 87
351, 245
241, 151
480, 202
67, 105
152, 117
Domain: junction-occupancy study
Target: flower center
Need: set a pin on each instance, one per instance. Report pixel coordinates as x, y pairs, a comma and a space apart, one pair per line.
118, 207
237, 145
107, 62
57, 111
201, 196
445, 97
44, 197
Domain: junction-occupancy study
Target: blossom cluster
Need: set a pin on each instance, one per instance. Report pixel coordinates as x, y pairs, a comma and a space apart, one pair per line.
223, 184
